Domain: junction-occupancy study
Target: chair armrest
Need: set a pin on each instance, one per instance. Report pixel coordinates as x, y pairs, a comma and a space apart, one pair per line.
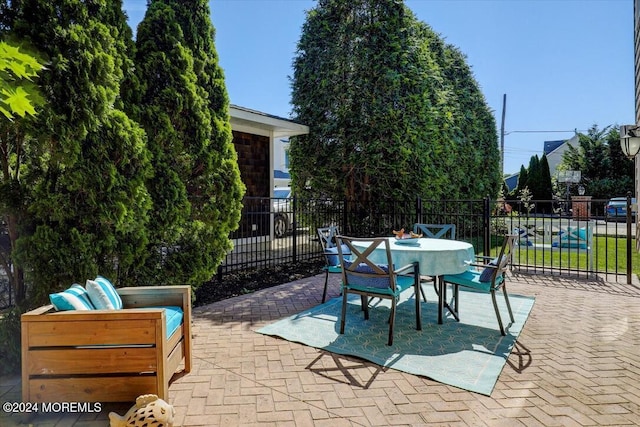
485, 266
413, 266
149, 296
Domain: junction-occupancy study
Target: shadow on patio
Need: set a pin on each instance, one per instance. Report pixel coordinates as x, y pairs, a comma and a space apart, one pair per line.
575, 363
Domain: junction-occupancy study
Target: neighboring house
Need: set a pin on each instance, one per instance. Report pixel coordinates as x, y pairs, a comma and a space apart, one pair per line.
255, 138
281, 175
512, 181
281, 178
555, 150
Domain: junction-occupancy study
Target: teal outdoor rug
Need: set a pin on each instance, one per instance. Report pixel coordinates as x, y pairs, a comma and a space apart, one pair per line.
469, 354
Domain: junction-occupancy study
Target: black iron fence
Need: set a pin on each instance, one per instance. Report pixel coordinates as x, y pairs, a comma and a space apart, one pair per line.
575, 237
580, 237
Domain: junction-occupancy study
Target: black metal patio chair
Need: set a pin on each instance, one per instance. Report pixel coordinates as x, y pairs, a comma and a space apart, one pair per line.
362, 276
487, 277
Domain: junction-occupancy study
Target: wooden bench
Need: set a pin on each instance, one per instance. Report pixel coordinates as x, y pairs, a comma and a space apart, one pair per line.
106, 355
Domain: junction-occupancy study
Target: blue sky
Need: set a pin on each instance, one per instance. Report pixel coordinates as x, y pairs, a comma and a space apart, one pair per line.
564, 65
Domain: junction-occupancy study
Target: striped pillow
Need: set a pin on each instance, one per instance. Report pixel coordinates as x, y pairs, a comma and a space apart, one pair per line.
103, 295
74, 298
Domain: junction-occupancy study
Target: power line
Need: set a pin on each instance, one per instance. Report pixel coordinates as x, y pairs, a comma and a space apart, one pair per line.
544, 131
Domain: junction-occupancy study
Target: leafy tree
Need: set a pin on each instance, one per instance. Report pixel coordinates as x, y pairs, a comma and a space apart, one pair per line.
77, 203
392, 109
605, 170
18, 92
196, 188
20, 95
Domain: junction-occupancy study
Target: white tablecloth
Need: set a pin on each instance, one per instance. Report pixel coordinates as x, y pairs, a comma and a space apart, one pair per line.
436, 256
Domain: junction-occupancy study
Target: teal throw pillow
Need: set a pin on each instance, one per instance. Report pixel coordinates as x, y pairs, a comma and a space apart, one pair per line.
74, 298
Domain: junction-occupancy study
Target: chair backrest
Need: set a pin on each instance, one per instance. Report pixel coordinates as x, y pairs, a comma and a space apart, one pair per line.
361, 270
436, 231
506, 252
503, 260
327, 236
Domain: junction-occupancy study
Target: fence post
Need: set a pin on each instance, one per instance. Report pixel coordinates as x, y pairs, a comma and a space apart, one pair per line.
294, 228
486, 227
629, 238
418, 210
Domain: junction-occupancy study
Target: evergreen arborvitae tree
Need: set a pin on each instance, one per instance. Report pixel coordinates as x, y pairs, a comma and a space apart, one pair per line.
534, 176
523, 180
81, 197
196, 187
475, 172
358, 84
387, 119
546, 188
539, 183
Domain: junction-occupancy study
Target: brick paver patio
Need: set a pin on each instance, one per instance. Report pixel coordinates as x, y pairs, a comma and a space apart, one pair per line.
577, 362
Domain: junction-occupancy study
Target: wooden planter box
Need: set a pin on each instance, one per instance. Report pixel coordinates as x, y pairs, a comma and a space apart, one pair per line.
105, 355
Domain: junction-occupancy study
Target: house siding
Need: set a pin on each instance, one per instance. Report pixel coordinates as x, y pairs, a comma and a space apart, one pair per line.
253, 161
254, 165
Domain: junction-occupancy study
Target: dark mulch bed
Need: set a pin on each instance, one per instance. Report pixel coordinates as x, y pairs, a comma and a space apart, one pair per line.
248, 281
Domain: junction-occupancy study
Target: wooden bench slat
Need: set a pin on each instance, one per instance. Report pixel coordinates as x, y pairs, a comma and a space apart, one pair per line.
94, 332
91, 389
92, 361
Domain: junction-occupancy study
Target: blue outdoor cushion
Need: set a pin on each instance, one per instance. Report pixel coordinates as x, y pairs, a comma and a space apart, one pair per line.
379, 284
487, 273
471, 279
334, 260
333, 268
173, 317
369, 282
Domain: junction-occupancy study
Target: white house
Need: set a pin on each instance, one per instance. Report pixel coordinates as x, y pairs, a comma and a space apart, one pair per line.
262, 143
555, 150
281, 177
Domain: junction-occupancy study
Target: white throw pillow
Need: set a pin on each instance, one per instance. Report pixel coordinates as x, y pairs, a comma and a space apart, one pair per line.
103, 294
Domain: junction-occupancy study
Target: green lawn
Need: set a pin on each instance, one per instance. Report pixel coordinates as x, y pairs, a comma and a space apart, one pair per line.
610, 255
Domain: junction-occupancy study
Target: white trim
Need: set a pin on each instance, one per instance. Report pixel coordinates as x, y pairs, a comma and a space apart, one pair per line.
260, 123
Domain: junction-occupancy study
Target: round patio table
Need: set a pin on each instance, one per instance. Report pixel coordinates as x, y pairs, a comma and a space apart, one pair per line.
436, 257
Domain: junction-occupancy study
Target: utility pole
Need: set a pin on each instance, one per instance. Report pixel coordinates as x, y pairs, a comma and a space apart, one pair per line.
504, 111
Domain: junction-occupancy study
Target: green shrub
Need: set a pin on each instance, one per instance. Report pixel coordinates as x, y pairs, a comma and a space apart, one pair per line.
10, 337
